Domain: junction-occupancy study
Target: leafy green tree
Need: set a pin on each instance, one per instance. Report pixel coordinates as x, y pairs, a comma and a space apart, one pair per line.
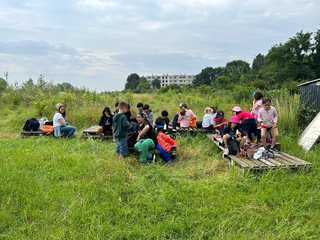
3, 85
143, 87
156, 84
208, 76
316, 54
132, 81
64, 87
258, 63
238, 67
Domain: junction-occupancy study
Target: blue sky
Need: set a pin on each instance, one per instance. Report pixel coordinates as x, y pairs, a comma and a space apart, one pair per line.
97, 44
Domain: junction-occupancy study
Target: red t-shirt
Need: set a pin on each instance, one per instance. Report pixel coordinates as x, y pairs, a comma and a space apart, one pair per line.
218, 121
244, 115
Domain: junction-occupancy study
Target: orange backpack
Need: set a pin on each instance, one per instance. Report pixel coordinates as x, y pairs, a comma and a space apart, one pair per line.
192, 122
47, 129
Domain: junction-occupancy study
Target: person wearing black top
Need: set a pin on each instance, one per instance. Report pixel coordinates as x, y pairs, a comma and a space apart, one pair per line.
162, 121
105, 122
146, 138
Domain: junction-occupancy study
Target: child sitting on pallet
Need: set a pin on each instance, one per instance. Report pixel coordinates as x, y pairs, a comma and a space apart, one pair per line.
220, 122
163, 122
185, 115
268, 118
105, 123
233, 129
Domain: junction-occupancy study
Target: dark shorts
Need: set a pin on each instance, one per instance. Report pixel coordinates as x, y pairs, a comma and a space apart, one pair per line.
249, 126
122, 146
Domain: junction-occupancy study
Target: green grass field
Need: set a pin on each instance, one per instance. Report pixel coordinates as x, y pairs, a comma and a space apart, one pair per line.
57, 189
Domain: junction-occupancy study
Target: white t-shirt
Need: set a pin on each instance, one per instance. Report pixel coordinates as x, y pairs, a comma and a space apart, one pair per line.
56, 118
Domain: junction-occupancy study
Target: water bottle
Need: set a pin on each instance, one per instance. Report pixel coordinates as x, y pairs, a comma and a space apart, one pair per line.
40, 124
165, 127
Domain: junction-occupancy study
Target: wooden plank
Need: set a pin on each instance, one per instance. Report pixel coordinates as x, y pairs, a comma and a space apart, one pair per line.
258, 163
245, 163
295, 158
275, 162
267, 162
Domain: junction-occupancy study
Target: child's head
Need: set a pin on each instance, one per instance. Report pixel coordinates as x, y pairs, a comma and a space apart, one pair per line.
123, 106
236, 110
257, 95
164, 114
58, 105
116, 105
183, 111
62, 110
220, 114
234, 122
106, 111
266, 103
208, 110
139, 106
183, 105
213, 109
146, 108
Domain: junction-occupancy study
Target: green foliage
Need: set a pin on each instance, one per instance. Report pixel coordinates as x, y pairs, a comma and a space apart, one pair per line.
64, 87
242, 93
258, 63
156, 84
132, 81
168, 88
143, 87
3, 85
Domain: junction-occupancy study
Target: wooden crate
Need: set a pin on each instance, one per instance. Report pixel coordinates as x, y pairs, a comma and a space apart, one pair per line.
29, 134
92, 132
282, 160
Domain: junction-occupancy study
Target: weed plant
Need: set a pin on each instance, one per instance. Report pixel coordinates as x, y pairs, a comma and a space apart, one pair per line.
53, 188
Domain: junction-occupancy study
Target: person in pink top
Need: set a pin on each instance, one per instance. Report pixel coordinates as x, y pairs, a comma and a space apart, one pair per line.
257, 105
268, 118
185, 115
248, 123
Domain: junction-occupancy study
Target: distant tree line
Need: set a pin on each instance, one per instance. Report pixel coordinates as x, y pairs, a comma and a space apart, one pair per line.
285, 66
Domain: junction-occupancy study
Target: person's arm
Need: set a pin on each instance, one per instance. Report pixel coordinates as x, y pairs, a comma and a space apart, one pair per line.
101, 123
151, 117
132, 115
193, 115
275, 119
125, 124
61, 121
260, 118
158, 121
144, 130
215, 125
225, 131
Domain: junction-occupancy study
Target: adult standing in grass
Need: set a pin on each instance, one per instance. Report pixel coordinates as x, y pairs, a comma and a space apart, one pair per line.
121, 127
146, 138
60, 125
105, 122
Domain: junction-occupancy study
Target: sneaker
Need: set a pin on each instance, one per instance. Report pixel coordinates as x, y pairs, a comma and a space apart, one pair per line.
226, 151
273, 149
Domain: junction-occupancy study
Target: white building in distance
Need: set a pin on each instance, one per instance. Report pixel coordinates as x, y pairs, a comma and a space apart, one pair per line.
166, 79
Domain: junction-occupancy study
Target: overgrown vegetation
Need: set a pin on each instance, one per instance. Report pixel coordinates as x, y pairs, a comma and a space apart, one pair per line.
77, 189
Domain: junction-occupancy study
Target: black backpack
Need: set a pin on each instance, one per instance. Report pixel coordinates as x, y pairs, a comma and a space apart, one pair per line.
132, 139
32, 124
233, 146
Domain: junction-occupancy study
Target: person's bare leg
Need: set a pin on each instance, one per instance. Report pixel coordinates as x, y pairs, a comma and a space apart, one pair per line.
100, 130
275, 136
120, 157
242, 141
225, 140
263, 137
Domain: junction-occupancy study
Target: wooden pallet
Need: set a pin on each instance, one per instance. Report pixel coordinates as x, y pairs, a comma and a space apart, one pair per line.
193, 130
92, 132
282, 160
29, 134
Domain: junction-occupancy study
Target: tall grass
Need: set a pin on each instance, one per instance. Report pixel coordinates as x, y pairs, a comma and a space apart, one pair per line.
76, 189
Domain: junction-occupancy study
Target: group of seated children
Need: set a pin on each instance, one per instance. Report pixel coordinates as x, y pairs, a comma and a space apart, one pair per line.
243, 125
